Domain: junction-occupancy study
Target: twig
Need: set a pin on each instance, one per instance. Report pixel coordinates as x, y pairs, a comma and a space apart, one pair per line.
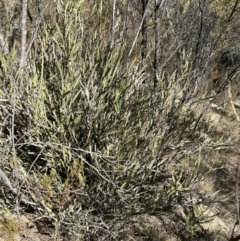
139, 29
24, 35
230, 98
3, 45
237, 206
7, 182
37, 25
237, 199
113, 23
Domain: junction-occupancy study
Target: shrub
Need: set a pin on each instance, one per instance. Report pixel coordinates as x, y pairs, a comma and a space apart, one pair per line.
90, 142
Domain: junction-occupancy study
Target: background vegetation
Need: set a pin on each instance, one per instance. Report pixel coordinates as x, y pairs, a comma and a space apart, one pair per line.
108, 116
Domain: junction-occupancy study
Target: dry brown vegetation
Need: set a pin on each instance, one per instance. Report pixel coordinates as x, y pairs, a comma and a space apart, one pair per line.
119, 120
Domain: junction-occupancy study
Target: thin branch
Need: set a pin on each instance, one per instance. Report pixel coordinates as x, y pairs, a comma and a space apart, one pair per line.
35, 31
232, 104
237, 199
237, 206
113, 23
3, 45
7, 182
237, 184
233, 11
24, 35
139, 29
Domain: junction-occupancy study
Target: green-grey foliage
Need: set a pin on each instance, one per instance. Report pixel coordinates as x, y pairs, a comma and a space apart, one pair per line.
95, 142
